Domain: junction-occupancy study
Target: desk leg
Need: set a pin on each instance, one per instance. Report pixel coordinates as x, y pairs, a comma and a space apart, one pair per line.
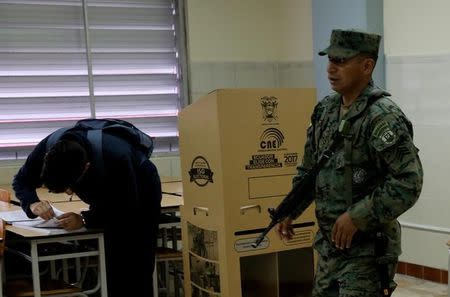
35, 269
102, 265
155, 281
2, 276
53, 269
448, 285
78, 267
65, 270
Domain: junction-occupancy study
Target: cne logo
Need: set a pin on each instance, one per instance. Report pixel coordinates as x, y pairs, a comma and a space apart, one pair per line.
271, 138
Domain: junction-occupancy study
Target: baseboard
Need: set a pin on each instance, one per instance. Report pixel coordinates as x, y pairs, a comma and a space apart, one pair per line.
423, 272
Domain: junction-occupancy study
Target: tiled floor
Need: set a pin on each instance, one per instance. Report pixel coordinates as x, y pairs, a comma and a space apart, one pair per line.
414, 287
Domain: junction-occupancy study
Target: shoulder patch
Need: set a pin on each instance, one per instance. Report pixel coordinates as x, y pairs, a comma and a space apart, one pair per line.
383, 134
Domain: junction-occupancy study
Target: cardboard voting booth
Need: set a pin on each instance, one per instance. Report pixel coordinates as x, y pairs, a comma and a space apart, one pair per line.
239, 149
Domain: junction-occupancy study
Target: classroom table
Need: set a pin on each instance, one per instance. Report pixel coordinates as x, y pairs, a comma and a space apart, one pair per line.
172, 199
34, 239
172, 194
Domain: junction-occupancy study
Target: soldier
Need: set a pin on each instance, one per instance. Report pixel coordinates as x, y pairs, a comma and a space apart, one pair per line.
374, 175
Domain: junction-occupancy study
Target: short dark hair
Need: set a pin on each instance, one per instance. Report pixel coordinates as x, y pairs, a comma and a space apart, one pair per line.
63, 164
370, 56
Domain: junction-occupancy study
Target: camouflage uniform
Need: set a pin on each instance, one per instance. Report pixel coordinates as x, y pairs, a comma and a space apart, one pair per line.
386, 178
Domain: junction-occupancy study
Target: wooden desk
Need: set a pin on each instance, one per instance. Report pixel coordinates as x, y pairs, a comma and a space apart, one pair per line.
172, 185
34, 239
172, 197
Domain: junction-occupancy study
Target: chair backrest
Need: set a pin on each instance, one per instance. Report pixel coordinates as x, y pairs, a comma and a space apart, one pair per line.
5, 195
2, 237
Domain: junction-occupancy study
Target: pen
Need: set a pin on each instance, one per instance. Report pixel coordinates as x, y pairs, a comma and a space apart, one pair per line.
14, 202
172, 193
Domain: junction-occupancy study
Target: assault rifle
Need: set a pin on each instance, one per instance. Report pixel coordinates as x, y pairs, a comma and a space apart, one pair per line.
302, 188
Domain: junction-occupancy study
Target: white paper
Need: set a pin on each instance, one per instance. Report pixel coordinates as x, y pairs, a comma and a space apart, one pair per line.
14, 215
38, 223
46, 231
52, 223
19, 218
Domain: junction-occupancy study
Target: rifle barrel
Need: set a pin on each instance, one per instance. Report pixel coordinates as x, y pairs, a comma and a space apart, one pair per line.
263, 234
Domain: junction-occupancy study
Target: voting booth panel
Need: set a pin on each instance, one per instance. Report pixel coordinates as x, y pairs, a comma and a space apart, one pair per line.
239, 149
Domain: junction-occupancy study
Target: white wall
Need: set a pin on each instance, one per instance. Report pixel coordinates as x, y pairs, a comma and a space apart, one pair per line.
417, 51
249, 44
416, 27
250, 30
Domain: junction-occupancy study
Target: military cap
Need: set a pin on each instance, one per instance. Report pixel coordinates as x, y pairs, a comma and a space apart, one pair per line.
349, 43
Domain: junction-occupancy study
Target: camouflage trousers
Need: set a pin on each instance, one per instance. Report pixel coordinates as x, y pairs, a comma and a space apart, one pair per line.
340, 276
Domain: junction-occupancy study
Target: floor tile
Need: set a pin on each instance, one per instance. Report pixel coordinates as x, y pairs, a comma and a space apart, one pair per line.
414, 287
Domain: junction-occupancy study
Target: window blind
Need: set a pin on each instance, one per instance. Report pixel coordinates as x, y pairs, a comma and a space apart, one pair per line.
64, 60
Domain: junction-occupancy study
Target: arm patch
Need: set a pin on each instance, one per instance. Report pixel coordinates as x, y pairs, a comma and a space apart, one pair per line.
383, 136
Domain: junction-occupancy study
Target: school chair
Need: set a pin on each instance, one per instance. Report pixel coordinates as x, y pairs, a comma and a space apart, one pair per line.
5, 195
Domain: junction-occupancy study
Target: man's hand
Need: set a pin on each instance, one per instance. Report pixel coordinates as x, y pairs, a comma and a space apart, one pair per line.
284, 229
343, 231
42, 209
70, 221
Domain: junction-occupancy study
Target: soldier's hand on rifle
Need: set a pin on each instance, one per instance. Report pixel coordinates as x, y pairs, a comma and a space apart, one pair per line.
343, 231
284, 229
